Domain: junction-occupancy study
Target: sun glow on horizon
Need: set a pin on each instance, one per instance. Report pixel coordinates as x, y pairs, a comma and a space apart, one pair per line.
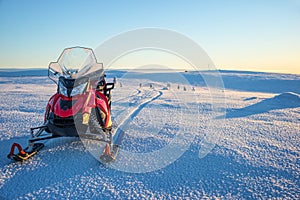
237, 35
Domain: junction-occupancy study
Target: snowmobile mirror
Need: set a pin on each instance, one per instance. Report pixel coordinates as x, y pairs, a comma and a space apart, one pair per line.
54, 71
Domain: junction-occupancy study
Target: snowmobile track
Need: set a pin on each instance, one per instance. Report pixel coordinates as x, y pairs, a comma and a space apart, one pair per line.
137, 92
135, 112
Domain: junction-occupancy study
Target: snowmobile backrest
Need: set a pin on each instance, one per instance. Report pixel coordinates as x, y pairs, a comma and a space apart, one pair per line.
106, 90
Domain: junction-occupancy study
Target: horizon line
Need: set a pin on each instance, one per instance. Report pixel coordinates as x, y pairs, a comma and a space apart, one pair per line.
176, 69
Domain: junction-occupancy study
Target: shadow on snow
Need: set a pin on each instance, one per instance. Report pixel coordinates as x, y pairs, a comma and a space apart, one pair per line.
282, 101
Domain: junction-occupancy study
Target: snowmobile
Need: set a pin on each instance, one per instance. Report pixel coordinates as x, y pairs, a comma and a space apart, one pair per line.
81, 107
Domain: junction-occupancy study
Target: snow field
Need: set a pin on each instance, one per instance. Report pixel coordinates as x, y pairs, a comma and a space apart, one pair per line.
255, 149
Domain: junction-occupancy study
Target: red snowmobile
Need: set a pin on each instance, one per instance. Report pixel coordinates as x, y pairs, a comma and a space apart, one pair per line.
80, 107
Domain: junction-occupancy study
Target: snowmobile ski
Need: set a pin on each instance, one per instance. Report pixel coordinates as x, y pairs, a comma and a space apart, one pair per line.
110, 153
26, 153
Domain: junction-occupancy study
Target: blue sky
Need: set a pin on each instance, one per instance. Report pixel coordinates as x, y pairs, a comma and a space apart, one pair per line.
258, 35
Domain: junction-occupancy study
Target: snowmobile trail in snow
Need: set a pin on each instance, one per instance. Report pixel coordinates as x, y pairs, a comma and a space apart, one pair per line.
134, 113
139, 100
137, 92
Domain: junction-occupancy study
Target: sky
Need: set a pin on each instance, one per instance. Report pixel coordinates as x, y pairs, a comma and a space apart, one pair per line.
251, 35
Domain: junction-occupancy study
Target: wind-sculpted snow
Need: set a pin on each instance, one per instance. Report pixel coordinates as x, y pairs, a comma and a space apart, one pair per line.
281, 101
256, 155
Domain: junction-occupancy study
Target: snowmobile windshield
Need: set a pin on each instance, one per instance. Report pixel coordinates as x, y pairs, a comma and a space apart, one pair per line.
76, 63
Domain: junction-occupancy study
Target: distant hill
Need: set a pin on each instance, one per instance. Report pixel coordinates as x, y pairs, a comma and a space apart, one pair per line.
236, 80
5, 72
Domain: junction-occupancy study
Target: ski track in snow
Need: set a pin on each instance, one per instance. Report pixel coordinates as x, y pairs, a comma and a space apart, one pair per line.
136, 110
255, 156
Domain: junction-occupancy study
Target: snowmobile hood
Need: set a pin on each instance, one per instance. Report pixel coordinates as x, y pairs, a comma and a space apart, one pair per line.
68, 106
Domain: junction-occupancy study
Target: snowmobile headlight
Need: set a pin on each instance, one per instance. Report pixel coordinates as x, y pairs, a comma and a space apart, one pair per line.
62, 89
80, 89
70, 92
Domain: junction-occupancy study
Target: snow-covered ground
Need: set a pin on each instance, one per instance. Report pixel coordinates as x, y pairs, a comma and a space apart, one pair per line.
251, 126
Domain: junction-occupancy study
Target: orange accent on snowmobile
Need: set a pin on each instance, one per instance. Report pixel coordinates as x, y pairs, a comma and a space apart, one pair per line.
21, 151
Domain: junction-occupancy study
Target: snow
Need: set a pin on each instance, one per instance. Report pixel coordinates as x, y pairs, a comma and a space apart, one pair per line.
237, 142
